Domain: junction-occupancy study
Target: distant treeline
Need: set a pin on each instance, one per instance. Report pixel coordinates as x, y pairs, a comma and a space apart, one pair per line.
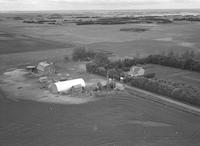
185, 61
125, 20
39, 21
91, 20
101, 65
140, 20
137, 29
187, 19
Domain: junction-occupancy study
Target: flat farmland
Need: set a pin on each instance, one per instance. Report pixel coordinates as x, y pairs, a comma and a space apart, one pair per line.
158, 39
10, 43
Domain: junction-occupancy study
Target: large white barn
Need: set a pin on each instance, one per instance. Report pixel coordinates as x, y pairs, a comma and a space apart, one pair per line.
66, 86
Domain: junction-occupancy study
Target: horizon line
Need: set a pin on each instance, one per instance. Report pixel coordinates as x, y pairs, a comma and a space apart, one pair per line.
102, 9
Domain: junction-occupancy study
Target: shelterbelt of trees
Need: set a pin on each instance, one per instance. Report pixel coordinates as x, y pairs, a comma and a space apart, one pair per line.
100, 64
185, 61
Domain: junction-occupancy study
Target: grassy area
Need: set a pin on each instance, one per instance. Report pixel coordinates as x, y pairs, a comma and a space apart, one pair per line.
139, 48
169, 73
118, 120
14, 43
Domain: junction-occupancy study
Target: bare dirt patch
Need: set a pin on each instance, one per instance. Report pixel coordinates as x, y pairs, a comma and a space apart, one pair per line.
18, 86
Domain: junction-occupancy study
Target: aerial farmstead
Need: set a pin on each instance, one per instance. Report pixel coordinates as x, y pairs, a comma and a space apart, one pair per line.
48, 82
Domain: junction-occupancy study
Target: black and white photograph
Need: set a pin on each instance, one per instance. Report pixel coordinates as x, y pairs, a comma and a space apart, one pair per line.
99, 72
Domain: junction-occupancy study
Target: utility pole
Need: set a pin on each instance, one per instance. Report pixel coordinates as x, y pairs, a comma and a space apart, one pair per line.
107, 78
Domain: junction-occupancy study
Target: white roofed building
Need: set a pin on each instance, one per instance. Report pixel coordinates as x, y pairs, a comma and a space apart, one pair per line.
67, 86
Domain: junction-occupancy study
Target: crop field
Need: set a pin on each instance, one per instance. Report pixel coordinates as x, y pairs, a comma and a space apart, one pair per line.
14, 43
158, 38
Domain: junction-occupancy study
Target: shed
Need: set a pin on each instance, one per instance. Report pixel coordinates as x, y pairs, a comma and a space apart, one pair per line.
31, 68
66, 86
45, 68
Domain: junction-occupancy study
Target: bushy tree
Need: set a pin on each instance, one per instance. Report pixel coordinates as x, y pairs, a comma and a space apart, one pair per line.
102, 60
91, 67
83, 54
101, 71
114, 74
79, 54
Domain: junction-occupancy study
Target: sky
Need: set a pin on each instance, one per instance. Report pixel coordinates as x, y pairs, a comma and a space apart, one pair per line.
15, 5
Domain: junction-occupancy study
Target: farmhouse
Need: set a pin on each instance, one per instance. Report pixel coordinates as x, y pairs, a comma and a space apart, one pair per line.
67, 86
136, 71
45, 68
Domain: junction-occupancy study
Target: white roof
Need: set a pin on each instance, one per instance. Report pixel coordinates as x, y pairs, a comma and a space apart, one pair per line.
66, 85
136, 71
44, 64
30, 67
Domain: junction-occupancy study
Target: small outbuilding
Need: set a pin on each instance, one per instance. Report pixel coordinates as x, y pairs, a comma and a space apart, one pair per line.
45, 68
31, 68
67, 86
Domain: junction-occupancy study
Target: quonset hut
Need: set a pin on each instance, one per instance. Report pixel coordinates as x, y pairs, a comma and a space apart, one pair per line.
67, 86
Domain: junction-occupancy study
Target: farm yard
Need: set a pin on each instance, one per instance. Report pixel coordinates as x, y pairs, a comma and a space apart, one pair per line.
25, 85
